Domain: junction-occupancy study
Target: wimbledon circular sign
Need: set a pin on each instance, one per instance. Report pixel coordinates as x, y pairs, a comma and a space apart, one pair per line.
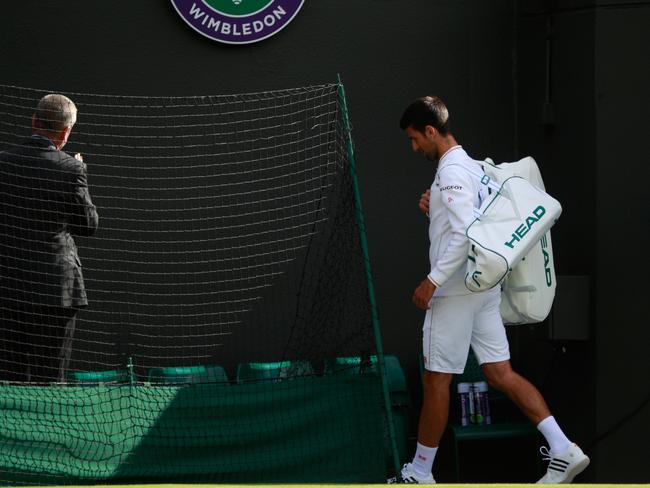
237, 21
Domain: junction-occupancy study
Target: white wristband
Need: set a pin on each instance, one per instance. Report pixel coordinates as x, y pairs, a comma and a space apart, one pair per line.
434, 283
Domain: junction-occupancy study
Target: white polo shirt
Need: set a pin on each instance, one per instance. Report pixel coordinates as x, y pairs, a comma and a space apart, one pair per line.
454, 195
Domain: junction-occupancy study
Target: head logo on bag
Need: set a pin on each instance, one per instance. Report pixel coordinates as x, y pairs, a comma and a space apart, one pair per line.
496, 247
523, 229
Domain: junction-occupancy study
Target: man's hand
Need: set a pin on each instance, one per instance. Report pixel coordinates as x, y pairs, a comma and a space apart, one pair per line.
424, 202
80, 158
423, 294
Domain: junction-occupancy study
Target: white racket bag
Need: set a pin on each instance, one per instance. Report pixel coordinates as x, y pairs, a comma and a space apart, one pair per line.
512, 224
527, 292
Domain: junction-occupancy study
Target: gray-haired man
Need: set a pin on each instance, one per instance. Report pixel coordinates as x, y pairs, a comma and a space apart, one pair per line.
45, 202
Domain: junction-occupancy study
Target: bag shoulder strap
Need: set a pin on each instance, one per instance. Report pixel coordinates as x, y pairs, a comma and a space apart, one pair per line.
482, 178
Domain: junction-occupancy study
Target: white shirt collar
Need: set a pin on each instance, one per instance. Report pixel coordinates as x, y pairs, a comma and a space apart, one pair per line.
453, 148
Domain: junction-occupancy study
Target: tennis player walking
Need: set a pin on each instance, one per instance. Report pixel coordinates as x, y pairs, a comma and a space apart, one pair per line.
457, 319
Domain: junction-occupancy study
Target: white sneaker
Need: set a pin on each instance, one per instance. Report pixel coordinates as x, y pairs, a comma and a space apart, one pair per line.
408, 475
564, 467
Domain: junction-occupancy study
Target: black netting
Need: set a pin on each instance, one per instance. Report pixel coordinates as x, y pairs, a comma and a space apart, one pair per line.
225, 278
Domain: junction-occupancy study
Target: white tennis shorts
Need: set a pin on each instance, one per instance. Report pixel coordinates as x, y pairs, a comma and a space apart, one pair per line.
454, 323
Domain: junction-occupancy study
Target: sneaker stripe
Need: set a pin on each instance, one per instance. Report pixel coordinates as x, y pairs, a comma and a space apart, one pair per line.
559, 470
558, 465
560, 461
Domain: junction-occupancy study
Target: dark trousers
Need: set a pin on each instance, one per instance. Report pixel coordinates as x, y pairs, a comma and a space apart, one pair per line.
35, 342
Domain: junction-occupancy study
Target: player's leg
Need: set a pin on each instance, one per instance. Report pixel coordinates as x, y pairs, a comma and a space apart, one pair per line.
446, 336
566, 459
433, 420
490, 345
501, 376
435, 407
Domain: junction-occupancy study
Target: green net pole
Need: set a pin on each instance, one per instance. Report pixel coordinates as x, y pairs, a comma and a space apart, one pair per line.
371, 289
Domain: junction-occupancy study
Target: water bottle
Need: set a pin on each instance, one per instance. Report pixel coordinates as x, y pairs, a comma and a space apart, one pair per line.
465, 395
482, 404
476, 415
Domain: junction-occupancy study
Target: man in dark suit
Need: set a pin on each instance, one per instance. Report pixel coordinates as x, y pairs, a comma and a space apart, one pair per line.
44, 202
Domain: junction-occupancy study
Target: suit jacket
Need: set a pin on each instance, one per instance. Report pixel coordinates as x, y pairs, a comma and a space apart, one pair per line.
44, 202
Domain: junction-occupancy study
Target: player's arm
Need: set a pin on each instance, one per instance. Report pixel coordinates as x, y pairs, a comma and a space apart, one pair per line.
423, 293
426, 288
457, 195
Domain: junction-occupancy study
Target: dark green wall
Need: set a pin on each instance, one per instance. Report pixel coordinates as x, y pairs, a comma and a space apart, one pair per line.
622, 100
594, 158
556, 125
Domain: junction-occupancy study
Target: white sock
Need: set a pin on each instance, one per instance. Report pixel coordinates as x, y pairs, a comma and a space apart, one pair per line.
423, 459
557, 441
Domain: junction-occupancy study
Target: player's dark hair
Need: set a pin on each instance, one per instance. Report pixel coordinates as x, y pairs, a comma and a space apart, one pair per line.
426, 111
